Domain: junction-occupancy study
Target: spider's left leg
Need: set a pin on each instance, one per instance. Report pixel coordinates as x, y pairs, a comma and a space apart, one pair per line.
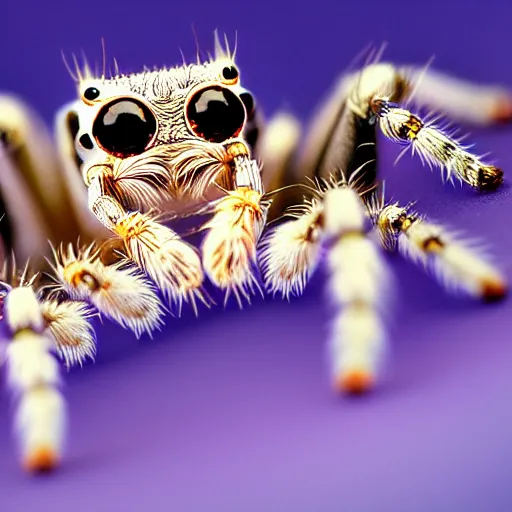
358, 279
229, 247
455, 263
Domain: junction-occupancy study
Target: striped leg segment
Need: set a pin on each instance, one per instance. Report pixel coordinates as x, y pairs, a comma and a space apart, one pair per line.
455, 264
336, 221
33, 376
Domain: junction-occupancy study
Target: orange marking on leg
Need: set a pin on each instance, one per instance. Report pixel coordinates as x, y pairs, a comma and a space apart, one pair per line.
501, 112
494, 290
355, 382
41, 460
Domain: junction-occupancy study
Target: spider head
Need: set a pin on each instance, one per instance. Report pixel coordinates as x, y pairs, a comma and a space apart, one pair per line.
128, 115
160, 116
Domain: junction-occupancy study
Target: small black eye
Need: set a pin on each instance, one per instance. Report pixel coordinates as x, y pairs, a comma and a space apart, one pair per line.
229, 73
124, 127
248, 101
85, 141
215, 114
91, 93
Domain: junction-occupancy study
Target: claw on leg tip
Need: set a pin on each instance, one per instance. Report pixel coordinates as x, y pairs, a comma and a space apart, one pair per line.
494, 291
356, 382
490, 178
502, 111
42, 460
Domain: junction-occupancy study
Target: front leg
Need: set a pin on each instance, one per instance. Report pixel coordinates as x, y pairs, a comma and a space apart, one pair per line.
229, 248
171, 263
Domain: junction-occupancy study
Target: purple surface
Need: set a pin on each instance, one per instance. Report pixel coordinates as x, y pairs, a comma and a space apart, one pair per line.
233, 412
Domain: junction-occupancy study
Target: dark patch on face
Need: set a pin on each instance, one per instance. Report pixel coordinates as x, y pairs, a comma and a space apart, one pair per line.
251, 136
86, 142
73, 126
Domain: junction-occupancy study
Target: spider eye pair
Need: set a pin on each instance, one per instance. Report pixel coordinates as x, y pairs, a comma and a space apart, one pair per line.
126, 126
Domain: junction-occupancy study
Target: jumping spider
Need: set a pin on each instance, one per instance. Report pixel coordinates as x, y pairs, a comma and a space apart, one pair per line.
163, 144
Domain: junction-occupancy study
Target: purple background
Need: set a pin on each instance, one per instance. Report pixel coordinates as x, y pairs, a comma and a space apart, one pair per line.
233, 411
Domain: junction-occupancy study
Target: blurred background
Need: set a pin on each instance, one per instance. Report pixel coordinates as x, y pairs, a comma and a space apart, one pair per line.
232, 411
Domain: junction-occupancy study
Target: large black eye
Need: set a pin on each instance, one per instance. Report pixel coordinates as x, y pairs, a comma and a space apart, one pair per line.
124, 127
216, 113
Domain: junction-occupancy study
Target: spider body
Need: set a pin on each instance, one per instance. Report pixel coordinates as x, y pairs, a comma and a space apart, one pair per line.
135, 152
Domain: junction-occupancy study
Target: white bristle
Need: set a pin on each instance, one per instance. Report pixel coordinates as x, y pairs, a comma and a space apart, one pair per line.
290, 253
229, 247
33, 375
358, 280
344, 211
41, 422
357, 343
70, 328
129, 299
30, 361
456, 266
118, 291
171, 263
358, 272
22, 310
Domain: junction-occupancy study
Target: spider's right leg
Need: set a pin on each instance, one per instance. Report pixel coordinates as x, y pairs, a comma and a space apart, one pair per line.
358, 284
358, 279
343, 135
456, 264
462, 101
